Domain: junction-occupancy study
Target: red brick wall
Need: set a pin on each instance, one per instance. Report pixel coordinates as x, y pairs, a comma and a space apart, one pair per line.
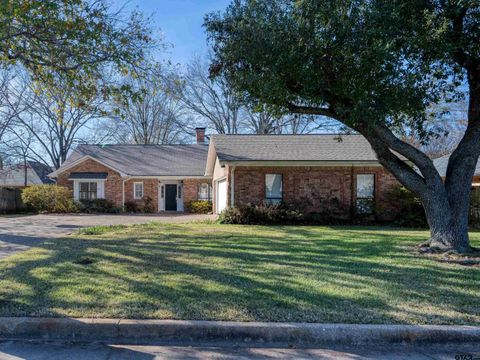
150, 189
312, 187
113, 184
190, 188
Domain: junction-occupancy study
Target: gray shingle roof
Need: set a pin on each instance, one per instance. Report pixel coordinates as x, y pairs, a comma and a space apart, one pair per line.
293, 148
147, 160
15, 175
442, 163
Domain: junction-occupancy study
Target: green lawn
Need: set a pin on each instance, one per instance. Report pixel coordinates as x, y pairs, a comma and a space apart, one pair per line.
221, 272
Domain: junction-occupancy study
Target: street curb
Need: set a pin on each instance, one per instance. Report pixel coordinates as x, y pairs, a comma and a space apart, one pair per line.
136, 331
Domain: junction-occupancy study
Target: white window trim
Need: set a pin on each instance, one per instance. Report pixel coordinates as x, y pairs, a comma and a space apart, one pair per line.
135, 192
100, 188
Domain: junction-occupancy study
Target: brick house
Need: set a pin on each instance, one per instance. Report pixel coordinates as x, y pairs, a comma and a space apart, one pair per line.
332, 173
170, 175
320, 173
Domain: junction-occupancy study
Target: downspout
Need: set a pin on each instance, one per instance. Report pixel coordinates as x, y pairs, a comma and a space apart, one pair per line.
232, 188
123, 194
352, 192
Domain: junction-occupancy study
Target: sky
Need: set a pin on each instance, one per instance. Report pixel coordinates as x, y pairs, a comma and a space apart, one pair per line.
180, 22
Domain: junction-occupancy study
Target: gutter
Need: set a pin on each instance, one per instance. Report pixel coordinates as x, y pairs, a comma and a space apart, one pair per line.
232, 188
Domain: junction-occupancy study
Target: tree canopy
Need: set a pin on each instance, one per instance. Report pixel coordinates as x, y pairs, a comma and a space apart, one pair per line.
75, 37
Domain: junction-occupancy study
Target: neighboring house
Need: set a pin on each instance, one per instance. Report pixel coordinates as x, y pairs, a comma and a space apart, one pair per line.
19, 175
317, 172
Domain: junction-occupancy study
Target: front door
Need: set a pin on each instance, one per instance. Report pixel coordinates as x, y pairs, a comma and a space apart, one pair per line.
170, 197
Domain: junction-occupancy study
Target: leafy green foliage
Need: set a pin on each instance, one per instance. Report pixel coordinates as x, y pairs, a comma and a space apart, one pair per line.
199, 207
49, 198
74, 37
328, 56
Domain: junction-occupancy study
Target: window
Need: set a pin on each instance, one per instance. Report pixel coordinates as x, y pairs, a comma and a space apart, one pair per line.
162, 191
365, 193
273, 188
179, 191
88, 190
138, 190
205, 192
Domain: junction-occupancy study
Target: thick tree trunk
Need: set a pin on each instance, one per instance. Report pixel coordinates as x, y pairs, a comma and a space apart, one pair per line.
447, 231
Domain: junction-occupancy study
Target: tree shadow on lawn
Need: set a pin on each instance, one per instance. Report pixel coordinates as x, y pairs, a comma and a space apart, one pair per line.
285, 274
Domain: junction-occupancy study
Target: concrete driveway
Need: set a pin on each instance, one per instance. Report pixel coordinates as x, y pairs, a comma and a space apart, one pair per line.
20, 232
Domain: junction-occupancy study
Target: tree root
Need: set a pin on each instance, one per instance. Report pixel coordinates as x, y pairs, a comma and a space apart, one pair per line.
471, 257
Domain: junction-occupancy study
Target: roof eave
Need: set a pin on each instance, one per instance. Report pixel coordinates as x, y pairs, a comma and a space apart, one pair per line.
300, 162
211, 158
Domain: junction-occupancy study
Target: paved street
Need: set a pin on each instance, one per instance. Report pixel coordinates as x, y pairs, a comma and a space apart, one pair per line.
38, 351
20, 232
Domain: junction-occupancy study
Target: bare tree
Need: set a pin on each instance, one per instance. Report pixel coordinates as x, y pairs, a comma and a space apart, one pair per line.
150, 113
448, 122
10, 106
210, 100
261, 120
57, 115
18, 146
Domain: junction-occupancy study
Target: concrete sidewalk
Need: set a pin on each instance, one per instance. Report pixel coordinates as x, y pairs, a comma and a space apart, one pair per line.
139, 331
106, 351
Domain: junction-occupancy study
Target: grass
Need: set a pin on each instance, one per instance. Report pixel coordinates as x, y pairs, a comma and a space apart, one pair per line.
220, 272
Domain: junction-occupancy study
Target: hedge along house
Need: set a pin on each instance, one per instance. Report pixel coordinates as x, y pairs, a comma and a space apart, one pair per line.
335, 174
170, 175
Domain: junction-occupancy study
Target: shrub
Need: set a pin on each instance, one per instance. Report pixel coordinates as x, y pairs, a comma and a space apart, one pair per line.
49, 198
98, 206
131, 207
148, 205
199, 207
409, 210
261, 215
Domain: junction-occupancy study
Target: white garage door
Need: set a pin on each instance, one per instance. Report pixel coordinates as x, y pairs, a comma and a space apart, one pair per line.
221, 196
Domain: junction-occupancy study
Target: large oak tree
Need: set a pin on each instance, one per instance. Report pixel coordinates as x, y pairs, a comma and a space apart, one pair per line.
375, 66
